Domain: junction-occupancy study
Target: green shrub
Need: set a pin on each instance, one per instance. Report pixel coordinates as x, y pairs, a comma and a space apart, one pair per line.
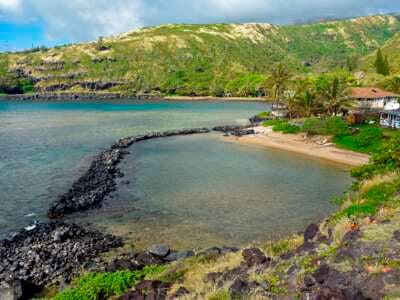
264, 114
286, 128
368, 140
313, 126
96, 286
336, 126
273, 122
330, 126
386, 158
373, 199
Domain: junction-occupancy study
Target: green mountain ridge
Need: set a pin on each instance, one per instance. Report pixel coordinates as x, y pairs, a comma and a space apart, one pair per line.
196, 59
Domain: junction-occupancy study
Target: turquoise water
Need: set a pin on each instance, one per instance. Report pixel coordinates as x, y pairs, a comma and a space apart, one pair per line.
189, 192
45, 146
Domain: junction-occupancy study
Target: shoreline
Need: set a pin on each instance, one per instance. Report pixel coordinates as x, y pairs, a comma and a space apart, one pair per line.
295, 143
55, 97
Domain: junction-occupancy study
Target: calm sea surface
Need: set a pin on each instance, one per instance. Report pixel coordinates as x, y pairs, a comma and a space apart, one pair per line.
185, 191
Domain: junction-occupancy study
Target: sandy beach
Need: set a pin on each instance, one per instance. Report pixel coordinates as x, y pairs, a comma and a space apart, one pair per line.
297, 143
212, 98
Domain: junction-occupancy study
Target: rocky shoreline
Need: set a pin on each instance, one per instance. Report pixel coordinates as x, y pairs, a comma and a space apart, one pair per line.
49, 252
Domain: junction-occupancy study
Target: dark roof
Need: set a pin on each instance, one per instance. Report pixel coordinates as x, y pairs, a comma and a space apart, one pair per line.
369, 93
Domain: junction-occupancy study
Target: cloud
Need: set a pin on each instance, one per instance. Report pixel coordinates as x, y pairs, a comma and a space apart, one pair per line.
12, 5
81, 20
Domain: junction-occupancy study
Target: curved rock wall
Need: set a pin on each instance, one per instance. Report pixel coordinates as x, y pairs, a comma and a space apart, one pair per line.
90, 190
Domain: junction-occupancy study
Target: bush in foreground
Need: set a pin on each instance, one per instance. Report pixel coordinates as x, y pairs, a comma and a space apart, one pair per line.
104, 285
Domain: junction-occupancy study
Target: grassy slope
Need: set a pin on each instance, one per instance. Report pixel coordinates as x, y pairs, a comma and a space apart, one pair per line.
392, 50
202, 59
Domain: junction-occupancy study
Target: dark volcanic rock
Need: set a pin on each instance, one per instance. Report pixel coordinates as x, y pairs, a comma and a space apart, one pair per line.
213, 251
178, 255
322, 274
121, 264
146, 259
50, 251
159, 250
257, 120
239, 288
396, 235
182, 291
254, 256
232, 128
242, 132
148, 290
311, 232
99, 181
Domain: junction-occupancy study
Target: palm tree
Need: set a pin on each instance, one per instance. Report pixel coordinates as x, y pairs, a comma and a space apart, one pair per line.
277, 81
334, 97
306, 101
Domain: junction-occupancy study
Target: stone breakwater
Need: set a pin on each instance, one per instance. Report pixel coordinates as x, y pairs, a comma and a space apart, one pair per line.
50, 251
99, 181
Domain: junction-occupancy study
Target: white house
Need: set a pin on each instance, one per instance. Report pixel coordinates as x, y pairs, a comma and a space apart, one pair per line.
372, 98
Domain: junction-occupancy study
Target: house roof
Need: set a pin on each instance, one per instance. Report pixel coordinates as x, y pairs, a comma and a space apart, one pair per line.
369, 93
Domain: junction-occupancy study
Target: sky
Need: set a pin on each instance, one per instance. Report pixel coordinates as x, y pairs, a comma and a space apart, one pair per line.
30, 23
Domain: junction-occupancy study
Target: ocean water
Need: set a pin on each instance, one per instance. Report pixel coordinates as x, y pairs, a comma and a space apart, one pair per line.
202, 191
185, 191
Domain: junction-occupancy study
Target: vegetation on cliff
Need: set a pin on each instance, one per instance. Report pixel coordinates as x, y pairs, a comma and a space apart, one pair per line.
217, 59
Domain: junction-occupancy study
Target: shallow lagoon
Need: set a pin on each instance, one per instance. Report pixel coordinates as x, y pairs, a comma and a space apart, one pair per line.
186, 191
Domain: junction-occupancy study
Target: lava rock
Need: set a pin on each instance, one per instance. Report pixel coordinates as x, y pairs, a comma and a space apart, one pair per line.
178, 255
159, 250
148, 290
322, 274
311, 232
239, 288
309, 281
213, 251
147, 259
181, 292
122, 264
254, 256
51, 250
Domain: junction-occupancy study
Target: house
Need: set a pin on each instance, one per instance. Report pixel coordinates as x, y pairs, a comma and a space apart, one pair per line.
372, 98
279, 110
390, 118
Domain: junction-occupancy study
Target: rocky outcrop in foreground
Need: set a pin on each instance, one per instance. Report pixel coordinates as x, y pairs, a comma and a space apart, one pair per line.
90, 190
50, 251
